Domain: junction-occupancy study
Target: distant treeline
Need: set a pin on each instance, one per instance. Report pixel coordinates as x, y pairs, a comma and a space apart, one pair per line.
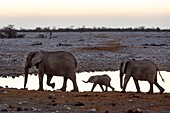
10, 31
85, 29
95, 29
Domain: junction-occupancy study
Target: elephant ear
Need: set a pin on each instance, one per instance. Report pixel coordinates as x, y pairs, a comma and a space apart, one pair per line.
37, 58
123, 66
94, 79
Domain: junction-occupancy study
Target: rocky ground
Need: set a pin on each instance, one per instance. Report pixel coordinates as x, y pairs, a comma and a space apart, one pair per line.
24, 101
94, 51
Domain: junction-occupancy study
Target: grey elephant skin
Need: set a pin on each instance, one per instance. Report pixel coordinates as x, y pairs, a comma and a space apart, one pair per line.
59, 63
140, 70
101, 80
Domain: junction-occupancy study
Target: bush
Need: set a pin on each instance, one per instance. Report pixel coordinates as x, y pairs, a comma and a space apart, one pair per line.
10, 32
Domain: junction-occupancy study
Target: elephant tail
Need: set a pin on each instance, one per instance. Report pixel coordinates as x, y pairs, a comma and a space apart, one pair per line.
161, 76
85, 81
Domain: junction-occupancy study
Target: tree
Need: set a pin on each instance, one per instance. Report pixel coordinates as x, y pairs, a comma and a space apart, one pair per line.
10, 31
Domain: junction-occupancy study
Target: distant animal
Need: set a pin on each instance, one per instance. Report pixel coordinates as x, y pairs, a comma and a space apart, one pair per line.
101, 80
59, 63
140, 70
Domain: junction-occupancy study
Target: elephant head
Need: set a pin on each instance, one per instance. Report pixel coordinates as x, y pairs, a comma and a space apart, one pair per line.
33, 59
92, 79
123, 68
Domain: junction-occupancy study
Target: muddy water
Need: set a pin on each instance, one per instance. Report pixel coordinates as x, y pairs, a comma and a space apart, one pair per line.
32, 83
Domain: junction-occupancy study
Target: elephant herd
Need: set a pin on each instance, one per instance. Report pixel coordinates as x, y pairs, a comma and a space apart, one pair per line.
61, 63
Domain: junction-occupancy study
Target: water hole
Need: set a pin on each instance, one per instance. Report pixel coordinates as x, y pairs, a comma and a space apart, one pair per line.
33, 83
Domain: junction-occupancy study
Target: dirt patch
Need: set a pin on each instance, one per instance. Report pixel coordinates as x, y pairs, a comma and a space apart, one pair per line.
111, 46
101, 36
112, 49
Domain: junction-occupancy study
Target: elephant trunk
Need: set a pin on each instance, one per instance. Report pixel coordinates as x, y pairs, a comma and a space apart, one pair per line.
26, 76
121, 79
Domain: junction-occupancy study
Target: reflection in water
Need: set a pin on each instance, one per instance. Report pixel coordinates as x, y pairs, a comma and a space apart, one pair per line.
33, 82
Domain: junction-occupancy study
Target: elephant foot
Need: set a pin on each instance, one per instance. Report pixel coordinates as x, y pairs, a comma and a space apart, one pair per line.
40, 89
53, 85
113, 89
75, 90
123, 91
162, 90
25, 88
150, 92
63, 89
138, 92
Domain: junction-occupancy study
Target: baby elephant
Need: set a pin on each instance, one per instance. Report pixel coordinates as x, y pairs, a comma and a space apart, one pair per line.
101, 80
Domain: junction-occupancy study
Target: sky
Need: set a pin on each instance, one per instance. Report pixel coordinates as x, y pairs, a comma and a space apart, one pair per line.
88, 13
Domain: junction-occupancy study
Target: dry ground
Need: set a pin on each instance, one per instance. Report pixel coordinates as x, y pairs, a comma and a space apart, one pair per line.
94, 51
25, 101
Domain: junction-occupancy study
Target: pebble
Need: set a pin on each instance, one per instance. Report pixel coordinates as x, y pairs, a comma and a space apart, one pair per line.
4, 107
130, 111
106, 111
67, 107
19, 109
55, 112
130, 100
93, 110
35, 109
51, 95
4, 92
79, 104
139, 111
23, 102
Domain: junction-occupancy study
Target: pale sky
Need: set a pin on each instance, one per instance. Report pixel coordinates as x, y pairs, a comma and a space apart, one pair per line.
65, 13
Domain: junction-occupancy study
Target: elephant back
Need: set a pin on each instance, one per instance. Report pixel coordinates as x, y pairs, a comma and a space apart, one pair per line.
104, 80
60, 61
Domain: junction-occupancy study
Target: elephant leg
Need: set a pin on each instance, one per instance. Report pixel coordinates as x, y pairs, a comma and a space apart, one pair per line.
112, 87
151, 88
106, 89
73, 79
49, 77
94, 85
137, 85
159, 87
101, 87
75, 89
126, 79
41, 76
64, 84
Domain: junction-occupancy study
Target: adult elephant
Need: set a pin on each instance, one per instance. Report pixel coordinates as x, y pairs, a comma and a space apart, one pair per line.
140, 70
59, 63
101, 80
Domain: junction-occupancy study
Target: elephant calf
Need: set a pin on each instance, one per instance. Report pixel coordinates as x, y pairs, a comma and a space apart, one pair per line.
101, 80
